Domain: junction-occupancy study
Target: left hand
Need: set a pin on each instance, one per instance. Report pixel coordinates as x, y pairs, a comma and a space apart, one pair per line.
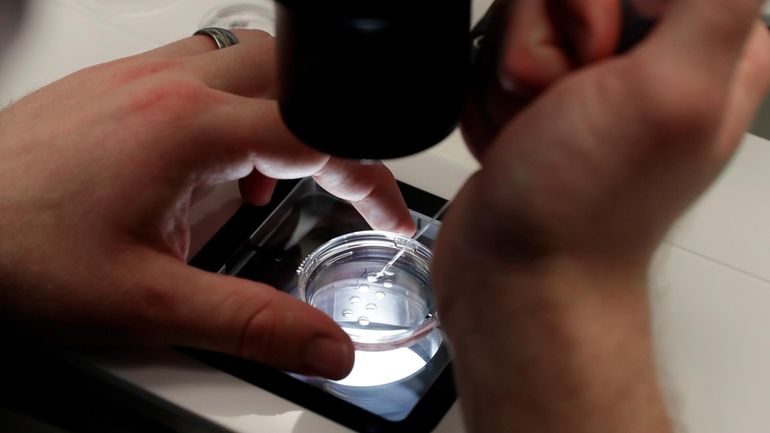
97, 172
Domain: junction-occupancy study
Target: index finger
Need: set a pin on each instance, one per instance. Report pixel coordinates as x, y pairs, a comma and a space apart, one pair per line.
371, 189
250, 131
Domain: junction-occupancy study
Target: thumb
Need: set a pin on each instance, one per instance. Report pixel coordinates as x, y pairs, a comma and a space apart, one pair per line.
248, 319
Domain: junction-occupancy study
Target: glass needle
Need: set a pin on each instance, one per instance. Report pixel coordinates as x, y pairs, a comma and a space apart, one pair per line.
416, 236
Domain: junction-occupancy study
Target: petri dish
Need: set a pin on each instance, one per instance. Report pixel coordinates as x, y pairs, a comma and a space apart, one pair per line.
380, 307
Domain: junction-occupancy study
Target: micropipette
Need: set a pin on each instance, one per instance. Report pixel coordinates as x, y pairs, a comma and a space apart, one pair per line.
416, 236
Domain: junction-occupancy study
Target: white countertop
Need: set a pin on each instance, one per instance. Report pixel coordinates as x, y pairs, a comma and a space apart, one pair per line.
711, 288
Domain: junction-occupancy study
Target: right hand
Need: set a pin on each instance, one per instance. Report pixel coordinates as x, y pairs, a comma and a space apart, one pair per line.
595, 157
540, 268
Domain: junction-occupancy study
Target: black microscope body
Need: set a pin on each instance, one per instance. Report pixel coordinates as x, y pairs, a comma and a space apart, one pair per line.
372, 79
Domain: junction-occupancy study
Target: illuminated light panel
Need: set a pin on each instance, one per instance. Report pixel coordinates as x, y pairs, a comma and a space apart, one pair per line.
381, 368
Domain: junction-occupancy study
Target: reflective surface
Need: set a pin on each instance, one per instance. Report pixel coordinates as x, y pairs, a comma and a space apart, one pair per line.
390, 383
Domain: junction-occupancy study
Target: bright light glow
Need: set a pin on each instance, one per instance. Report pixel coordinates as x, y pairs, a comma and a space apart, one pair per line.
380, 368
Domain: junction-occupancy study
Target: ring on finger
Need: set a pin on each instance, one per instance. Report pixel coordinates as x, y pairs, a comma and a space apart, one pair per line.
222, 37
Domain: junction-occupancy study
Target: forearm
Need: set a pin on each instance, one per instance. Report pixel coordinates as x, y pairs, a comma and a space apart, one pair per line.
574, 354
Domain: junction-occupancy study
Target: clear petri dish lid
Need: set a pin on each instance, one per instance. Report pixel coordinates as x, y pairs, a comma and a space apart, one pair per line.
381, 303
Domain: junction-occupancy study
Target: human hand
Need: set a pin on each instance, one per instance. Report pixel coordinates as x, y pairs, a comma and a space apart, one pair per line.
97, 173
540, 268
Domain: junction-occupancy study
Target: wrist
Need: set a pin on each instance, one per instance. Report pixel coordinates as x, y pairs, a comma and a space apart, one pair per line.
565, 292
556, 343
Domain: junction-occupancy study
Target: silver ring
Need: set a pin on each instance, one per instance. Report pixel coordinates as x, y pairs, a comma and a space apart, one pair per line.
222, 37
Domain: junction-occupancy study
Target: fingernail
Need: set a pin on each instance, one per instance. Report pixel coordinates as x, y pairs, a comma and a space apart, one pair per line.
506, 82
328, 358
515, 88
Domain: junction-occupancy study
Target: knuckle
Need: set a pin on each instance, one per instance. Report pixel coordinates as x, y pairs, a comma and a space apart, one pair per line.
689, 108
289, 162
123, 71
260, 327
155, 304
170, 98
130, 71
